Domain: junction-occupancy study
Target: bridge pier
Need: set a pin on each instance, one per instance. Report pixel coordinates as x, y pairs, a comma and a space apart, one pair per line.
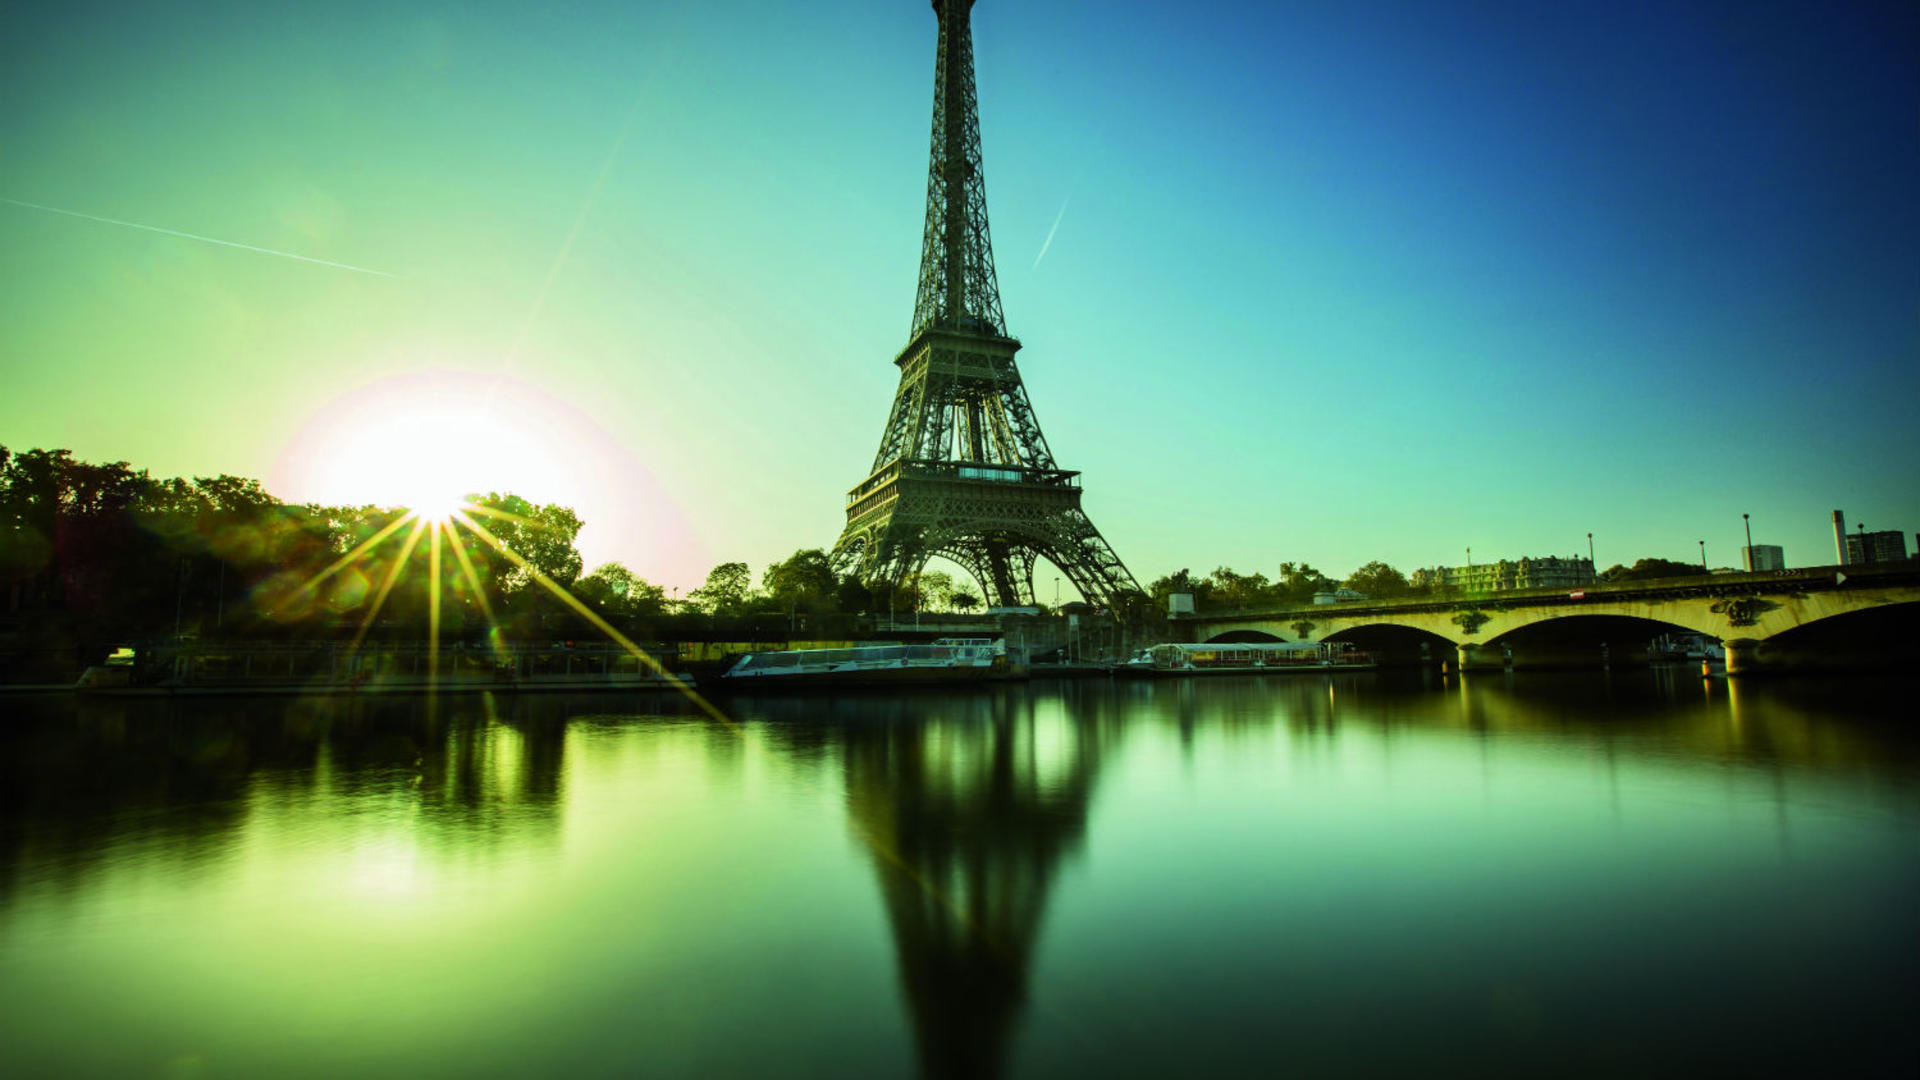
1474, 656
1743, 656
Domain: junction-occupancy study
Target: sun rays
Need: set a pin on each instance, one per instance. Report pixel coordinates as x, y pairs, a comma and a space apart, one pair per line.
438, 527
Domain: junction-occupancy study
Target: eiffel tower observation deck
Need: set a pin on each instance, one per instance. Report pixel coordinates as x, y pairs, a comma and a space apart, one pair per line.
963, 471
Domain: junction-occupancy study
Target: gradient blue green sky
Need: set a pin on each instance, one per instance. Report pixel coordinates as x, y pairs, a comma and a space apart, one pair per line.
1333, 282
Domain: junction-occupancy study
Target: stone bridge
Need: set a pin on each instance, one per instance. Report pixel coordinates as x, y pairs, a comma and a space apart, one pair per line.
1821, 618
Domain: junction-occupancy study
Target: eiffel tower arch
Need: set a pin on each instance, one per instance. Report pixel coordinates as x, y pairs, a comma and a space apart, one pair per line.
963, 471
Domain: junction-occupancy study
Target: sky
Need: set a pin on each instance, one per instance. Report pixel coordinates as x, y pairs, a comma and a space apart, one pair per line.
1296, 282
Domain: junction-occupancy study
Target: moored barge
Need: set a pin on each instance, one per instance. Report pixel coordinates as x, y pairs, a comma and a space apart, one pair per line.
1248, 658
948, 660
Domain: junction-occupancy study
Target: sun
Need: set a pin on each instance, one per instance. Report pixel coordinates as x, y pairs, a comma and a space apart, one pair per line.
428, 442
424, 455
428, 439
436, 507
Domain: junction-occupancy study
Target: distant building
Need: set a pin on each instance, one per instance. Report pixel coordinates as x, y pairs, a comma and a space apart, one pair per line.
1546, 572
1865, 547
1341, 595
1765, 557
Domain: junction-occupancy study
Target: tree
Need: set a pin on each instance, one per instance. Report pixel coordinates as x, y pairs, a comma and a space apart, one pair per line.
728, 588
120, 553
853, 595
963, 600
933, 589
805, 581
542, 535
1299, 581
1239, 590
1180, 581
618, 593
1652, 568
1378, 580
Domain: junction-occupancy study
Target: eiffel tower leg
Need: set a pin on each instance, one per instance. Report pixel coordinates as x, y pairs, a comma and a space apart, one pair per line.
1006, 590
854, 555
1024, 559
1087, 559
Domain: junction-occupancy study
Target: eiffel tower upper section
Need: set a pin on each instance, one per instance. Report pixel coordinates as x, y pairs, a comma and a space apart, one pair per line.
958, 290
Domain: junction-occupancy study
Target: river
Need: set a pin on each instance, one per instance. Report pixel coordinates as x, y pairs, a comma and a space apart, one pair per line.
1553, 874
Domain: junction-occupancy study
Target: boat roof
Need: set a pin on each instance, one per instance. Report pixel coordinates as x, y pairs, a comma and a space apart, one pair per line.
1257, 646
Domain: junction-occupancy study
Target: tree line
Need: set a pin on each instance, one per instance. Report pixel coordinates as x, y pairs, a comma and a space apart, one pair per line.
1295, 584
106, 549
105, 552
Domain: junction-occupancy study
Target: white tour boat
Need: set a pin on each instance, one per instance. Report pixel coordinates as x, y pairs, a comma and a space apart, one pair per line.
948, 660
1249, 658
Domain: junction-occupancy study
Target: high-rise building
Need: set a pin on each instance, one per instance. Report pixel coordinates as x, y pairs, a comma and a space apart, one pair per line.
1889, 545
1840, 538
1764, 557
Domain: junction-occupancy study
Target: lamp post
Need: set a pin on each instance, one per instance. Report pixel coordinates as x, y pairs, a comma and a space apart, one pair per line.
180, 597
1589, 548
1748, 525
1703, 557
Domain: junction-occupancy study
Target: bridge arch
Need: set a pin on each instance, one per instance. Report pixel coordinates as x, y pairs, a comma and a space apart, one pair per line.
1889, 622
1395, 644
1879, 638
1668, 618
1241, 637
1583, 640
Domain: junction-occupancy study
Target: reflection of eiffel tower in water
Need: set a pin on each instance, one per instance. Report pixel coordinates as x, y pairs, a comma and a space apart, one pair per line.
963, 470
968, 823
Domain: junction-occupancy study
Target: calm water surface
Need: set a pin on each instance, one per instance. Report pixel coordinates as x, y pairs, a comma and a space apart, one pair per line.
1555, 874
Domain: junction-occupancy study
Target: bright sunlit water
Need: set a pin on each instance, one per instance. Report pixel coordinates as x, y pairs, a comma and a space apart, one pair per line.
1543, 875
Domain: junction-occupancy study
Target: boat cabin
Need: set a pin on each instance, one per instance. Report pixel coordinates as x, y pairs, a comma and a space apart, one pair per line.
1249, 655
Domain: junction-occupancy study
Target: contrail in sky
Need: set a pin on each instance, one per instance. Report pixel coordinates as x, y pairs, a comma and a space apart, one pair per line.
195, 236
1048, 242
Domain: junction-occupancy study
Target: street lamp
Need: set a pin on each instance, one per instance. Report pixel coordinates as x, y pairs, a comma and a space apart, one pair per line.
1589, 548
1703, 556
1748, 525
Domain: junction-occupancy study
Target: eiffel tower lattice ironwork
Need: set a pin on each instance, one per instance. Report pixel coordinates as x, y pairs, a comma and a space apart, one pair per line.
963, 471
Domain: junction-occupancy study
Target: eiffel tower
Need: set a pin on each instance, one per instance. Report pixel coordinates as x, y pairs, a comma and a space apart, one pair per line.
963, 470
